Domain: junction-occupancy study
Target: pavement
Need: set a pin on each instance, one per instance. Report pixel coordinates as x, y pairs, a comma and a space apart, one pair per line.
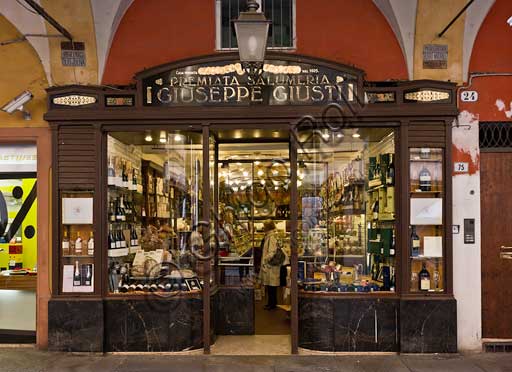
29, 359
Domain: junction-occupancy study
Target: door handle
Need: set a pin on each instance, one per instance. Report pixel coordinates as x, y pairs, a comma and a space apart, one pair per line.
506, 253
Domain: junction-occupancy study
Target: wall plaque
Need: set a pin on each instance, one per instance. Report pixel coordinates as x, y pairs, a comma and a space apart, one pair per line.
435, 56
226, 83
72, 54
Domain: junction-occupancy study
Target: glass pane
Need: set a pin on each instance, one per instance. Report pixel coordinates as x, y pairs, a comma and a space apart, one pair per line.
346, 226
78, 244
154, 212
225, 24
253, 187
426, 239
280, 12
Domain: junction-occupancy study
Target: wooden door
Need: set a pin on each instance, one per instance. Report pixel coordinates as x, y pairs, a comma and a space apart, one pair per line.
496, 204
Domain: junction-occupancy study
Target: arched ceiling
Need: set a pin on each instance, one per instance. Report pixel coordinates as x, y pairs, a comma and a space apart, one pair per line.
400, 14
29, 23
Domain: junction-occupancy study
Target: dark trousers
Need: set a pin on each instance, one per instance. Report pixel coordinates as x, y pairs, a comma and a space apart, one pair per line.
272, 295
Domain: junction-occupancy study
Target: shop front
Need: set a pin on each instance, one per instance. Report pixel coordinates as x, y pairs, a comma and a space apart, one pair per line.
166, 195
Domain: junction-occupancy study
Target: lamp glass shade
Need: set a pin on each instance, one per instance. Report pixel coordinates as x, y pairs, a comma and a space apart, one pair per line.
252, 39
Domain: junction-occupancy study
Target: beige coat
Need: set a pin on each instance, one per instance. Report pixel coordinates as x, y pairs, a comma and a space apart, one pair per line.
269, 275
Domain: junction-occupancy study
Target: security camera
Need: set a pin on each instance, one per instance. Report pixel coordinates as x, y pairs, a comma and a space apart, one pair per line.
509, 21
17, 104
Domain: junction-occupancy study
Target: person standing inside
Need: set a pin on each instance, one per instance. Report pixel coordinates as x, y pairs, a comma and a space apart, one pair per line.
269, 273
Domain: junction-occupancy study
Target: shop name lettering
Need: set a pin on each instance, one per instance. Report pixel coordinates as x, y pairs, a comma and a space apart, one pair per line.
274, 89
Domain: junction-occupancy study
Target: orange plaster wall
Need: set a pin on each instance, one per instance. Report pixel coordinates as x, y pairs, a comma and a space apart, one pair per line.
153, 32
492, 51
490, 90
352, 32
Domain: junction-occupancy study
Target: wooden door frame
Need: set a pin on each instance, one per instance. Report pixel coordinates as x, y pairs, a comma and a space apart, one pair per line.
42, 138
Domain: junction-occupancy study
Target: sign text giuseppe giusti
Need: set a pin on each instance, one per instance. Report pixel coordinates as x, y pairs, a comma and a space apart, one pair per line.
281, 83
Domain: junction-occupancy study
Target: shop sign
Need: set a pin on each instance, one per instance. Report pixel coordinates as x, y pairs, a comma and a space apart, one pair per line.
18, 158
226, 83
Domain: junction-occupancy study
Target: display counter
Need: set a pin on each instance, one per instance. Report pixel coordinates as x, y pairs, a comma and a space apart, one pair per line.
18, 282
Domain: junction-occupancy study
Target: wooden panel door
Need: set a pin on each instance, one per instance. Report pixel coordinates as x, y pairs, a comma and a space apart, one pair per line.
496, 203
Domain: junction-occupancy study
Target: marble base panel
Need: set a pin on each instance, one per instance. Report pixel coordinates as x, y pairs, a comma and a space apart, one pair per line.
234, 311
75, 325
337, 324
428, 326
316, 323
153, 324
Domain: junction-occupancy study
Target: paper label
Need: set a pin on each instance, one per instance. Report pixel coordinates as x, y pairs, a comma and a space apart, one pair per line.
425, 284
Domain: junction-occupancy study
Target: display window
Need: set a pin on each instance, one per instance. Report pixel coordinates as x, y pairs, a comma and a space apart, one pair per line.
347, 233
426, 243
155, 205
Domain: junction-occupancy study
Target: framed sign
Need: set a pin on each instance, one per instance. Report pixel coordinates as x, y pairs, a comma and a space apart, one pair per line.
77, 211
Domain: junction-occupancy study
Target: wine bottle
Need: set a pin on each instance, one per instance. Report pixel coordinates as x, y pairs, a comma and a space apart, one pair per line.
90, 245
88, 276
78, 245
119, 212
393, 244
375, 210
425, 180
122, 239
134, 240
77, 277
415, 243
117, 240
390, 174
65, 244
124, 176
111, 212
123, 209
111, 239
424, 277
111, 173
134, 180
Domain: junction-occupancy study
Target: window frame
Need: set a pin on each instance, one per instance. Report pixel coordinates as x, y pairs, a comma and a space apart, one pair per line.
218, 29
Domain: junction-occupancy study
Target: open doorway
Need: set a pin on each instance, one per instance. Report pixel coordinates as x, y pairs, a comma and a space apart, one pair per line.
252, 201
18, 243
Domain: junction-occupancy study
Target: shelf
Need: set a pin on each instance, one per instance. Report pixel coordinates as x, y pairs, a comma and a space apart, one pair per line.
77, 224
426, 160
426, 258
424, 192
76, 256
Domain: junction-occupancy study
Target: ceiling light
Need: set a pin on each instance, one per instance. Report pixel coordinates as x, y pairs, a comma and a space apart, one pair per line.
148, 137
163, 137
325, 135
178, 138
260, 173
245, 173
356, 135
257, 162
299, 183
339, 135
262, 182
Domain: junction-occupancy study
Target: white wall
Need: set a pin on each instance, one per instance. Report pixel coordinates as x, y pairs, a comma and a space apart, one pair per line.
467, 257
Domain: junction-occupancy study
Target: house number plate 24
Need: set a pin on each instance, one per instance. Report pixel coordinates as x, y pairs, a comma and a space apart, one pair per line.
469, 96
